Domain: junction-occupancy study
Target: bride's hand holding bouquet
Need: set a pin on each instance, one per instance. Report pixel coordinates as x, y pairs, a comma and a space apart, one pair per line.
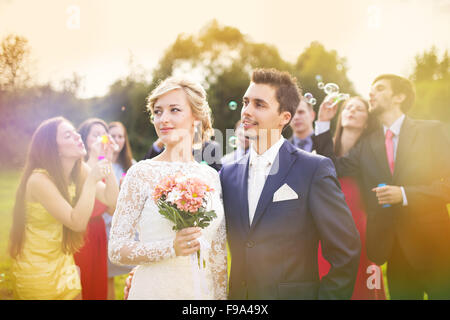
183, 201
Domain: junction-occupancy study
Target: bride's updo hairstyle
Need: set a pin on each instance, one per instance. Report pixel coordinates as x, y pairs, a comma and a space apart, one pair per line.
196, 96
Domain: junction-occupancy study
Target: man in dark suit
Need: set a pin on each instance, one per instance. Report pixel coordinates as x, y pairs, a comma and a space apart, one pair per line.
407, 225
280, 202
241, 148
210, 153
303, 136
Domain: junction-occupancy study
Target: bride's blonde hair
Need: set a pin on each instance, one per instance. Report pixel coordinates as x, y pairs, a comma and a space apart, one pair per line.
196, 96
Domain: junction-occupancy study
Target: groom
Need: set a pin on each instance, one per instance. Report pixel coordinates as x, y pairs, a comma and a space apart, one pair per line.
279, 202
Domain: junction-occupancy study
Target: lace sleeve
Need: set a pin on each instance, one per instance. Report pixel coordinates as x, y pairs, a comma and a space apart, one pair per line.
123, 249
218, 256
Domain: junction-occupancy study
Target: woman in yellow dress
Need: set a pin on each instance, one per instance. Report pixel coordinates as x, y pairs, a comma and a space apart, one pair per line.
54, 202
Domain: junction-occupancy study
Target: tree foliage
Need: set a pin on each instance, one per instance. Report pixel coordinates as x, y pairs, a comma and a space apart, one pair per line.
14, 59
220, 57
316, 60
431, 77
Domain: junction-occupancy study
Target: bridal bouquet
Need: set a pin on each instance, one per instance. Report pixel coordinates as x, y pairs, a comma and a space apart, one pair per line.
182, 200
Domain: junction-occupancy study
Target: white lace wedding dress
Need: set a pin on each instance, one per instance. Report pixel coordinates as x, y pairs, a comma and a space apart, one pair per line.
160, 273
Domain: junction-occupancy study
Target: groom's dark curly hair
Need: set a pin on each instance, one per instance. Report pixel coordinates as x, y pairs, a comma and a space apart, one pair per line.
287, 90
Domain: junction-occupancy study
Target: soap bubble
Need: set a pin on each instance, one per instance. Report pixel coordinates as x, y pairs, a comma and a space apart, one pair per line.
343, 96
232, 105
232, 141
318, 78
331, 88
321, 85
331, 98
308, 96
340, 97
335, 98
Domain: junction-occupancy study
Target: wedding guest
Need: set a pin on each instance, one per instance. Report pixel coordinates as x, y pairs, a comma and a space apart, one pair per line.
405, 174
210, 152
121, 161
354, 122
54, 202
242, 145
92, 257
303, 136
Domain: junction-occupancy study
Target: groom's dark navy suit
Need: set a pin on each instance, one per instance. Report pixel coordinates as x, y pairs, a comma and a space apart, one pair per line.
276, 256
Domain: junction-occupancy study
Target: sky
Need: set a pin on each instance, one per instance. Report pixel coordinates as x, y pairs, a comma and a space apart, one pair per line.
94, 38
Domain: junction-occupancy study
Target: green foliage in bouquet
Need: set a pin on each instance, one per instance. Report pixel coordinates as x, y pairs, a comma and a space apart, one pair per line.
185, 219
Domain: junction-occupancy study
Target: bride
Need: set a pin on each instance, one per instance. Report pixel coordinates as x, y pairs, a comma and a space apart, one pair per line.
164, 269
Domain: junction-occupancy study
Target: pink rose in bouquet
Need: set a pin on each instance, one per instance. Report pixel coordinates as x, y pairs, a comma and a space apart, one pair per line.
183, 201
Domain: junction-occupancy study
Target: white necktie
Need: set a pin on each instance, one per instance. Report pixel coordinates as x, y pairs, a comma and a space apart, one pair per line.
259, 167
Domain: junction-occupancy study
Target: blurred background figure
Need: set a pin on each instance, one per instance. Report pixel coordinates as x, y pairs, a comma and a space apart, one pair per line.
92, 258
353, 122
209, 153
53, 205
156, 149
121, 161
303, 136
123, 156
242, 145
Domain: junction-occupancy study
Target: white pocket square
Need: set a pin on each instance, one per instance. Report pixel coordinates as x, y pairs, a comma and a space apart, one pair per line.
284, 193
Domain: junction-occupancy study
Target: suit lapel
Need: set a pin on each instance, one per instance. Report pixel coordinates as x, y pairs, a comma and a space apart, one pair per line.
276, 178
379, 150
243, 165
405, 141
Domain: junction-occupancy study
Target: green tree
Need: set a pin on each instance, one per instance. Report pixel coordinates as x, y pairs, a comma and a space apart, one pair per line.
14, 62
316, 60
431, 77
223, 58
220, 57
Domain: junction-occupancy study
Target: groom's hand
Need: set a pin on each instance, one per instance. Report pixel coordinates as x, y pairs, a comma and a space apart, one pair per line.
185, 242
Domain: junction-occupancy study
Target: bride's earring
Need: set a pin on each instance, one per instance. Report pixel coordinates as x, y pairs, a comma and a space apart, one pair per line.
197, 143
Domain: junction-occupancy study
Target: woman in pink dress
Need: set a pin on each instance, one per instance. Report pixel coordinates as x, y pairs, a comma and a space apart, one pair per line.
352, 123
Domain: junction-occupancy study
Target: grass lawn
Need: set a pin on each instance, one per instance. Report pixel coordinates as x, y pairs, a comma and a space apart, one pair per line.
9, 181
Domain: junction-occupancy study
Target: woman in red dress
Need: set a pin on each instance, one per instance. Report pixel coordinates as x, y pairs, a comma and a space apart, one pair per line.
352, 123
92, 257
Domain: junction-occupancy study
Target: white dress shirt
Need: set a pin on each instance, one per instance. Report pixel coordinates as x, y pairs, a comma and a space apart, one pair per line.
259, 169
323, 126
